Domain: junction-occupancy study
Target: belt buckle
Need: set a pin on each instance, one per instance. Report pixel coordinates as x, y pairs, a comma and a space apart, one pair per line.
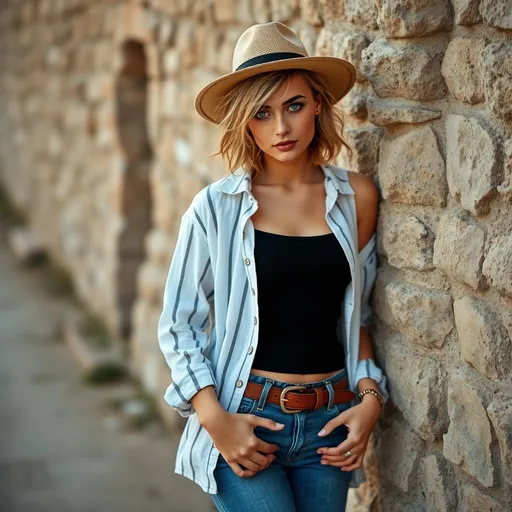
282, 398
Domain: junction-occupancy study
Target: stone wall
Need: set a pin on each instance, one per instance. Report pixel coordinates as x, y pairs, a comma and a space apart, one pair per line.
101, 146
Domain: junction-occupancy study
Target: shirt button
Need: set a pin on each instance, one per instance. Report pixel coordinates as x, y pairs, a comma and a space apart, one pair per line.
255, 320
250, 349
243, 234
239, 383
247, 261
253, 291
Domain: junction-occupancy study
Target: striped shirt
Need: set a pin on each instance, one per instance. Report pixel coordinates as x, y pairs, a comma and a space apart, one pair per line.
208, 327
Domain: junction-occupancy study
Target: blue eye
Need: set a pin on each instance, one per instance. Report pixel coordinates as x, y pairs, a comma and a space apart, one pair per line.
298, 105
257, 116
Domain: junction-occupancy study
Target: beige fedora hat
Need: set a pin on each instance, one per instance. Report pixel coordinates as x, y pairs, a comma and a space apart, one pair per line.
269, 47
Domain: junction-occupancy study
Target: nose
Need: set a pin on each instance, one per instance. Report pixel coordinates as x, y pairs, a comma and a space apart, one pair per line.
282, 126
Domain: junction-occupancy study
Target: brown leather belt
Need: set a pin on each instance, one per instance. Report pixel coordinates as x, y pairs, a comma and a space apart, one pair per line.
293, 398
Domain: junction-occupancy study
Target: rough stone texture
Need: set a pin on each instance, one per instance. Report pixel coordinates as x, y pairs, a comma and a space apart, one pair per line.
390, 113
466, 12
355, 102
473, 500
500, 412
424, 316
406, 71
496, 13
349, 45
471, 163
411, 169
481, 336
401, 465
361, 12
468, 440
505, 189
365, 149
407, 242
498, 264
417, 389
462, 71
438, 484
413, 18
459, 249
496, 61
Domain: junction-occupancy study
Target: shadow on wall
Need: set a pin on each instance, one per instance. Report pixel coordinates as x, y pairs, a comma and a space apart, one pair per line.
135, 200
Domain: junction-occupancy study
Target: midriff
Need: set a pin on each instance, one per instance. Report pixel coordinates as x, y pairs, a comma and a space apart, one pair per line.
295, 378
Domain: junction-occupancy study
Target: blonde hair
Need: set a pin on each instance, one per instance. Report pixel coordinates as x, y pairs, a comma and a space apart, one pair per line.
239, 106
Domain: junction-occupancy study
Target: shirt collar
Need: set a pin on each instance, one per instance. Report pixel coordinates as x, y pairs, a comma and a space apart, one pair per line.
241, 182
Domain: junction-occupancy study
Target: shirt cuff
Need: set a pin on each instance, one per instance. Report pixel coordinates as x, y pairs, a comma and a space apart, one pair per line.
367, 369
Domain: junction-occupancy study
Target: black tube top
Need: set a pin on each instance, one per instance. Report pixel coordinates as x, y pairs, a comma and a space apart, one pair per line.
301, 284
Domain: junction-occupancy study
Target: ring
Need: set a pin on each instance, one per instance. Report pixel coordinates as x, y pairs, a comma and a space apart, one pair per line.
347, 454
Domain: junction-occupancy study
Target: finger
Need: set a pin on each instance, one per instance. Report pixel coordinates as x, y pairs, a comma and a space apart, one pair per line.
258, 458
351, 443
250, 464
341, 419
263, 446
257, 421
339, 461
338, 450
357, 464
242, 473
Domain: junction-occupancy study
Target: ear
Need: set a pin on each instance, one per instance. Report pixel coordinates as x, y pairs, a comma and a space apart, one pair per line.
318, 104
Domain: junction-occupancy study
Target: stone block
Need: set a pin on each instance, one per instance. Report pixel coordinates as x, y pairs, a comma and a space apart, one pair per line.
332, 10
496, 61
410, 71
417, 388
468, 440
310, 13
505, 189
438, 484
423, 316
361, 13
26, 245
261, 11
459, 249
466, 12
400, 453
407, 242
473, 500
471, 163
412, 170
462, 71
391, 113
365, 149
483, 342
413, 18
349, 45
496, 13
282, 10
498, 264
500, 412
354, 103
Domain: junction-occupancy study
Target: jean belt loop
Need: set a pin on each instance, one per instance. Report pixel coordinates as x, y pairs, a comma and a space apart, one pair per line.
330, 389
264, 394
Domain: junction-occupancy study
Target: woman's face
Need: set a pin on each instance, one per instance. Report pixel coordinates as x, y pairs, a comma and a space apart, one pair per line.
288, 116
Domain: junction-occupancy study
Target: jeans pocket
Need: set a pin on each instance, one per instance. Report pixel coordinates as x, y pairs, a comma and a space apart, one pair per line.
247, 405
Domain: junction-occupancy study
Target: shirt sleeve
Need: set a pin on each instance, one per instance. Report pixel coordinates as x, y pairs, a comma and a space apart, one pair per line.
368, 268
185, 314
366, 368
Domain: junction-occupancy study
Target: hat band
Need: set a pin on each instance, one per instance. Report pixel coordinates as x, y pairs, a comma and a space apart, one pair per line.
268, 57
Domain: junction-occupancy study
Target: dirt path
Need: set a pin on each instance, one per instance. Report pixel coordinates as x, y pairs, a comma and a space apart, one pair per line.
59, 450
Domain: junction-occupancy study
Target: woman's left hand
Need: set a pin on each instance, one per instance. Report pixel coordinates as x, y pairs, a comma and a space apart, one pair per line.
360, 421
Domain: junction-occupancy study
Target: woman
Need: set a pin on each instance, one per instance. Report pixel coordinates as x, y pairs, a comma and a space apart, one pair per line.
283, 394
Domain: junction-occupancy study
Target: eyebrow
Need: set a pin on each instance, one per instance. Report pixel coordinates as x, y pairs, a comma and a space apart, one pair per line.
291, 100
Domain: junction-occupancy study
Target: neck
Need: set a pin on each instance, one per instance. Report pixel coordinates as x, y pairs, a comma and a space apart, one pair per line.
289, 175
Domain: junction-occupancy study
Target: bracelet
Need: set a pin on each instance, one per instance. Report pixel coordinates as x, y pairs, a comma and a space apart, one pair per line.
373, 392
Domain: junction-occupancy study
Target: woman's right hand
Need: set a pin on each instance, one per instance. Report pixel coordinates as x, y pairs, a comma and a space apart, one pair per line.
233, 435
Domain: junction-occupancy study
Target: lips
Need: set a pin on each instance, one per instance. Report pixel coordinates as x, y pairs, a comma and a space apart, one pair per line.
286, 145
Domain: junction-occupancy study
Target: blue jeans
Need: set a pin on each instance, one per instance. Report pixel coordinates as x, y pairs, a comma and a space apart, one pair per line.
295, 480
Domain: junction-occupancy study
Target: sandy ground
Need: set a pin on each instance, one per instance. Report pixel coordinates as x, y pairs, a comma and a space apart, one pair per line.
60, 446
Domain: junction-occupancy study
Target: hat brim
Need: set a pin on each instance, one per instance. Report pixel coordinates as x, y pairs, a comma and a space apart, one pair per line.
339, 74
